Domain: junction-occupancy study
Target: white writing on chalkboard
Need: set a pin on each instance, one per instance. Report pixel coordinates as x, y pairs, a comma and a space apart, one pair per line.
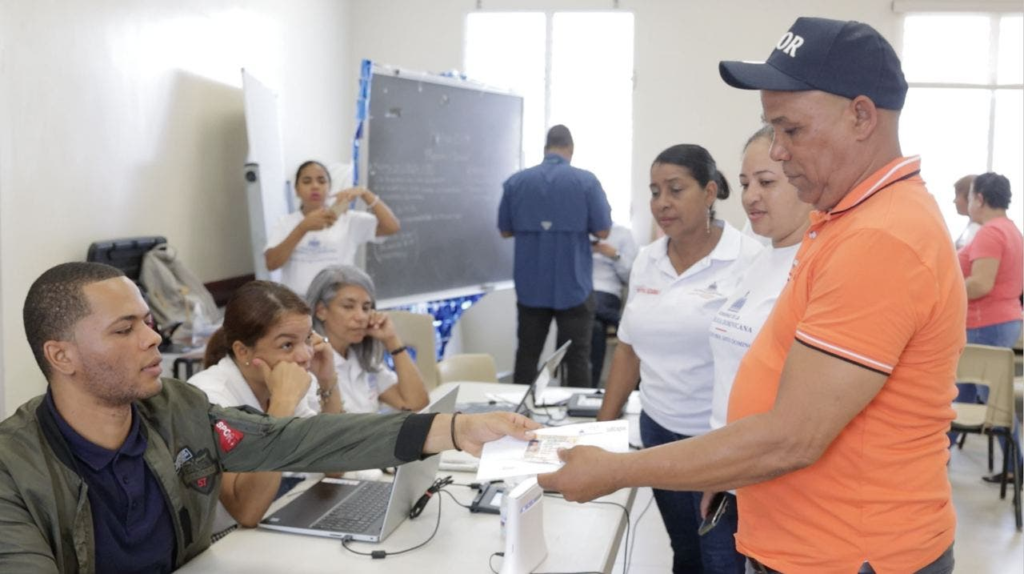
440, 164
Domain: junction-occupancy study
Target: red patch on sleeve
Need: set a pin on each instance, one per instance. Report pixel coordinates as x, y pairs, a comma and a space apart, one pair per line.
229, 437
201, 483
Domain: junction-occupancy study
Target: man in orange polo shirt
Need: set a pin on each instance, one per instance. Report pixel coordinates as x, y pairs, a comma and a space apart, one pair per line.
836, 436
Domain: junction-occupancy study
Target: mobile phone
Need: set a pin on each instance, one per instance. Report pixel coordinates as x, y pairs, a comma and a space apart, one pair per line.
715, 511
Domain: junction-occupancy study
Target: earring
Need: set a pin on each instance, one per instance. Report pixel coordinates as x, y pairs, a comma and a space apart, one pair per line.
707, 223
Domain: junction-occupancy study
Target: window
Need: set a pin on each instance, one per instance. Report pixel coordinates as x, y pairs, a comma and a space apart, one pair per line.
572, 68
964, 110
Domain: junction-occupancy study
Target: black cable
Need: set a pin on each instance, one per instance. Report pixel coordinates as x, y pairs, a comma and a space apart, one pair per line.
456, 500
475, 485
381, 554
532, 413
433, 489
490, 561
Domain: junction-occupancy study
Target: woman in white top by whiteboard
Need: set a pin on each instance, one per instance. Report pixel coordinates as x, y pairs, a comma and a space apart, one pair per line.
267, 357
304, 242
775, 212
344, 310
676, 286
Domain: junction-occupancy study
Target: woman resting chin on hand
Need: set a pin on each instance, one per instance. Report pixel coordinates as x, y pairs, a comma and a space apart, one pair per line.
267, 357
344, 310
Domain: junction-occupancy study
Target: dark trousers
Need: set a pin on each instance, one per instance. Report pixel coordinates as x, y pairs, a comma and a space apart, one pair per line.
574, 324
680, 510
607, 313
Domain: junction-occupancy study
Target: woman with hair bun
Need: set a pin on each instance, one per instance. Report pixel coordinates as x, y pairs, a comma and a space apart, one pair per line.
676, 286
265, 357
992, 265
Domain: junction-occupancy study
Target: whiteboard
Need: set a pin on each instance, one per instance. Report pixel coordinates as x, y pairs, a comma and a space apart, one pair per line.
267, 189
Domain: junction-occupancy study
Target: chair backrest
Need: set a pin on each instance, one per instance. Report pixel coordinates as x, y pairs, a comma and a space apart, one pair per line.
993, 367
417, 332
476, 367
126, 254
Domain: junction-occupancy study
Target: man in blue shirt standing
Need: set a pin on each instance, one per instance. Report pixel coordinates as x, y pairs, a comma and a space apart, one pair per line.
551, 209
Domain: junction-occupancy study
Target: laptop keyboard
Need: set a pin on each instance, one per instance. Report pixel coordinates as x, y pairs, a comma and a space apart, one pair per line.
358, 511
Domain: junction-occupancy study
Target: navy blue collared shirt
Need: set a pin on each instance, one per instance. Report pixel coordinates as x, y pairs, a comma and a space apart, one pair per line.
131, 522
551, 209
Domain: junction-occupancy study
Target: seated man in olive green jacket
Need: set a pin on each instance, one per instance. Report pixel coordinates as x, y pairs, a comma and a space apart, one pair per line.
116, 469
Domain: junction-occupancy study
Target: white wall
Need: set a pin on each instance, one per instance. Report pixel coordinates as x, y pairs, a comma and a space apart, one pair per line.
679, 96
122, 118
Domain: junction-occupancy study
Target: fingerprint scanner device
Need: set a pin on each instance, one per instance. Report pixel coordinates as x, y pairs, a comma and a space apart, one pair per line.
525, 547
489, 499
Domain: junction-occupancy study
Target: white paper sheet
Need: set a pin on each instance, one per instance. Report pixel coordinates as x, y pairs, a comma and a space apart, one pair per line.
510, 457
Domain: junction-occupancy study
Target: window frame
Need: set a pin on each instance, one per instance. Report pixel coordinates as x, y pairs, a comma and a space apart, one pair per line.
992, 86
550, 13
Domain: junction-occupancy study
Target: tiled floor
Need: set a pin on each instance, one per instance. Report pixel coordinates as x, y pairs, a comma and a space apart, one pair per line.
987, 539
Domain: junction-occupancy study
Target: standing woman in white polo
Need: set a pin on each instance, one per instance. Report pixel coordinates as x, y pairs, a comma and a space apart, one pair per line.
676, 286
317, 235
775, 212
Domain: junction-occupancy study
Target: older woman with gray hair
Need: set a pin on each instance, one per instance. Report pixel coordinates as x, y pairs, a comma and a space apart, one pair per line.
343, 302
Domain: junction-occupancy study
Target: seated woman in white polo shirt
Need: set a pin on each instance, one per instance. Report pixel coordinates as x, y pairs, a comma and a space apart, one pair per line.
304, 242
675, 288
267, 357
344, 310
775, 212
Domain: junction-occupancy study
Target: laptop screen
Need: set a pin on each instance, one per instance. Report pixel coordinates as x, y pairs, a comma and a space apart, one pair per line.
540, 383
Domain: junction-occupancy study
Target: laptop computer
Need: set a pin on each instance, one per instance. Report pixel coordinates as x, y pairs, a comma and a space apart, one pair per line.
364, 510
535, 389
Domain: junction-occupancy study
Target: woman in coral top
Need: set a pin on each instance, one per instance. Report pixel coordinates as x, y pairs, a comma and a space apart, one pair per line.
992, 266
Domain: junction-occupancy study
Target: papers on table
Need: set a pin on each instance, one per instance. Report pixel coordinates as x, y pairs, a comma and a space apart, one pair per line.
508, 457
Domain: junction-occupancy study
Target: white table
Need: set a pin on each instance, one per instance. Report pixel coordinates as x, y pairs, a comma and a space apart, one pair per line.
580, 537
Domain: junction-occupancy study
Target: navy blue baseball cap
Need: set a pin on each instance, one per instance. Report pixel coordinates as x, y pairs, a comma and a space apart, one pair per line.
844, 58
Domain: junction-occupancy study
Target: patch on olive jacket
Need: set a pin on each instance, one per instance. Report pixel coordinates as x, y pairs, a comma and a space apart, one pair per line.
228, 437
198, 471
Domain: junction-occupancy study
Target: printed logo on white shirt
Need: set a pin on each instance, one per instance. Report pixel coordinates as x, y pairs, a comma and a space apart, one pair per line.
709, 292
739, 303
